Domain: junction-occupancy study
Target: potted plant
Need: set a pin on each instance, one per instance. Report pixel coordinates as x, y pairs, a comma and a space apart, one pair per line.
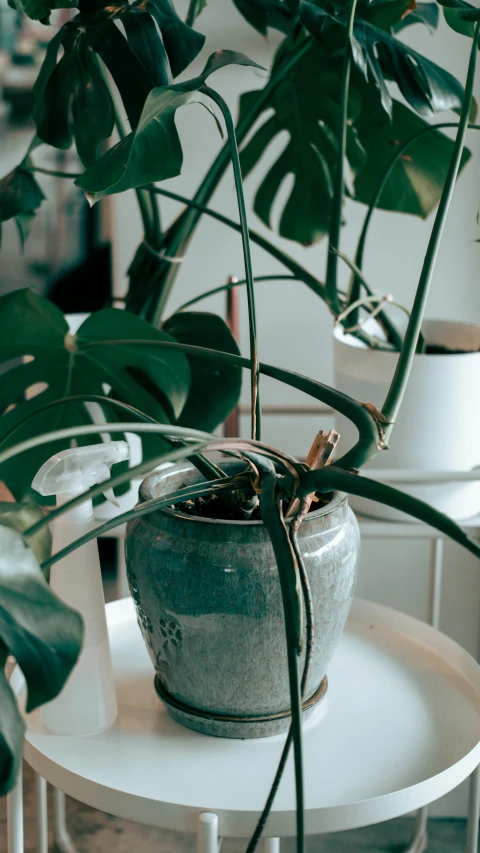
155, 378
397, 159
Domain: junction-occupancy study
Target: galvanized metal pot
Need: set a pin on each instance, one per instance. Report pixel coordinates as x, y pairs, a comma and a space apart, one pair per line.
209, 607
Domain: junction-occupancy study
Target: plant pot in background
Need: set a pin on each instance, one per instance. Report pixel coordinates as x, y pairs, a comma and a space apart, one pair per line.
438, 427
209, 607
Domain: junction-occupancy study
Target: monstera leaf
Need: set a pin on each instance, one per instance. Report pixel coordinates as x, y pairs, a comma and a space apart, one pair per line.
416, 182
72, 97
309, 112
214, 388
152, 379
21, 516
306, 106
153, 151
42, 633
380, 56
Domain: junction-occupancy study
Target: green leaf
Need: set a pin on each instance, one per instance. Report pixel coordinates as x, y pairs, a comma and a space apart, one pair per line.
262, 14
143, 38
182, 43
20, 197
214, 388
310, 114
41, 632
379, 56
39, 10
130, 76
195, 9
153, 151
19, 193
92, 107
423, 13
73, 87
460, 16
21, 516
416, 183
154, 380
53, 102
12, 730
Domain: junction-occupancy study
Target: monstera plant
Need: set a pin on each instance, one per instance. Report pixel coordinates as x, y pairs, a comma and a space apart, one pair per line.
174, 380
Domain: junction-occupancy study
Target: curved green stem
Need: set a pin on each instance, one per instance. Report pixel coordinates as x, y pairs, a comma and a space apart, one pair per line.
188, 220
242, 212
331, 478
54, 173
398, 386
230, 285
287, 261
186, 493
367, 426
331, 278
202, 464
354, 291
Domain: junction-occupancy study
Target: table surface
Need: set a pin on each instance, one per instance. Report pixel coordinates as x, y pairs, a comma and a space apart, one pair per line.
400, 729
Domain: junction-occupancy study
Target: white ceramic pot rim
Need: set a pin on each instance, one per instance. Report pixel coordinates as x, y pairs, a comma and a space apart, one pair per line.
454, 334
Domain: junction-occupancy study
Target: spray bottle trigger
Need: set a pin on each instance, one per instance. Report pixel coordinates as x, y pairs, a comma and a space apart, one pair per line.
110, 496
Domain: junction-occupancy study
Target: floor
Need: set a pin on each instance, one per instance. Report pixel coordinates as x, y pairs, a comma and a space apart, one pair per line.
95, 832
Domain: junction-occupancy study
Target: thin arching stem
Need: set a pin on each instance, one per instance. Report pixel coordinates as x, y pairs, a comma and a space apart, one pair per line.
242, 212
354, 291
331, 278
400, 379
230, 285
189, 219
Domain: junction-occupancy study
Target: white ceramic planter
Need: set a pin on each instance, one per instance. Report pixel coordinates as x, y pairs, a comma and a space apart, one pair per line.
438, 428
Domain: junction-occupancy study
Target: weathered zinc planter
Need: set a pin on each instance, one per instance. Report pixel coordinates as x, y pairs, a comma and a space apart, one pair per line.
209, 607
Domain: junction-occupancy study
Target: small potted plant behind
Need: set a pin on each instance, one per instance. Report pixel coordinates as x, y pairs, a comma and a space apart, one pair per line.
124, 351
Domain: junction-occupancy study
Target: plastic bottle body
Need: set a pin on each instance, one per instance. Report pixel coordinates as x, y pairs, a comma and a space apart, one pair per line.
88, 703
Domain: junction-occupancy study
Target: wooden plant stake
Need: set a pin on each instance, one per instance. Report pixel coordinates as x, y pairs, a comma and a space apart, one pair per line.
319, 455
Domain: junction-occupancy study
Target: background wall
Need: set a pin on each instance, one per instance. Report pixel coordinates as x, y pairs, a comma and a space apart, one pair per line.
295, 327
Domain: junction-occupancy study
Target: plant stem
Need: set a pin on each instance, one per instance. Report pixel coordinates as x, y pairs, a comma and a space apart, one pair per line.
242, 212
186, 493
331, 282
402, 372
354, 292
290, 263
352, 409
189, 220
53, 172
230, 285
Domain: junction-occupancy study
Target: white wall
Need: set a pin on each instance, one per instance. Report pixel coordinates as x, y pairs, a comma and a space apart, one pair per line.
295, 327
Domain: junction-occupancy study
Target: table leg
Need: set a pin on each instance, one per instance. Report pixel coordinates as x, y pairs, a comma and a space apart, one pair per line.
15, 817
63, 839
419, 841
473, 812
272, 845
41, 813
207, 833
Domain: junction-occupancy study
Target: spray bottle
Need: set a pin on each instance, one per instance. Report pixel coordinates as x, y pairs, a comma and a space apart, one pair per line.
88, 703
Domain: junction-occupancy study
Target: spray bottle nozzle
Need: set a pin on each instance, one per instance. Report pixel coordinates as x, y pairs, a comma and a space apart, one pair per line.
75, 470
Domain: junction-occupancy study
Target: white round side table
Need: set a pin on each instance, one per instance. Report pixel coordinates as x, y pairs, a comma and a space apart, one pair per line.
401, 728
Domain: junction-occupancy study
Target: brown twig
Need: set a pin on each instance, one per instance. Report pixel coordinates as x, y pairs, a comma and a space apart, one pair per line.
319, 455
